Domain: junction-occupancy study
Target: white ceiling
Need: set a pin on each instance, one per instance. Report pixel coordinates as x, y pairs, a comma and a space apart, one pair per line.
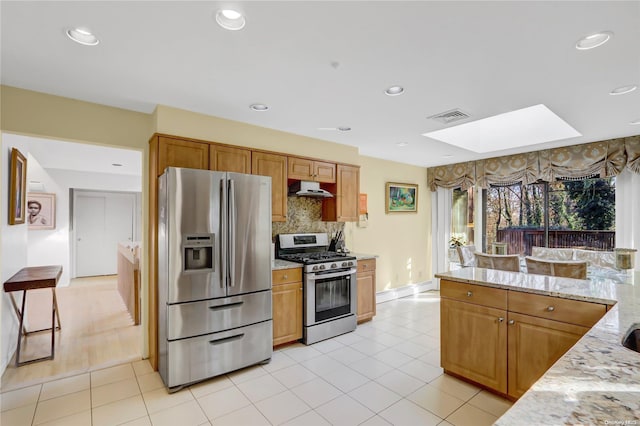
53, 154
326, 64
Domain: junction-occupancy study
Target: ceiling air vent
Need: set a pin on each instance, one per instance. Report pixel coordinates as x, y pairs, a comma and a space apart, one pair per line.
450, 116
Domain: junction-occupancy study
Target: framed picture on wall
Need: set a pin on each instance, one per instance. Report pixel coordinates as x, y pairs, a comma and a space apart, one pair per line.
17, 187
401, 197
41, 210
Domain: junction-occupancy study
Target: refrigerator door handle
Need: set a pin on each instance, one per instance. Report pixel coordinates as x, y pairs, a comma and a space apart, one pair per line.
223, 233
232, 232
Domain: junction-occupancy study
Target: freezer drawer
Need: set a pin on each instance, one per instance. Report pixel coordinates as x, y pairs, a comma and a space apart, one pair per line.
198, 358
211, 316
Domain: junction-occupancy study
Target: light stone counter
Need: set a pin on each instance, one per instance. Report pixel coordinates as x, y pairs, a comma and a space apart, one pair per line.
362, 256
284, 264
597, 382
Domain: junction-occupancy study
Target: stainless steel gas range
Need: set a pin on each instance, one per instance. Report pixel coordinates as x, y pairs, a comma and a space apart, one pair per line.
329, 285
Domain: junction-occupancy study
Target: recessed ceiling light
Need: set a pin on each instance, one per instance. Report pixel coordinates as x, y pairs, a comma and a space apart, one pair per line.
527, 126
594, 40
259, 107
82, 36
344, 129
394, 91
230, 19
623, 90
401, 144
116, 164
635, 122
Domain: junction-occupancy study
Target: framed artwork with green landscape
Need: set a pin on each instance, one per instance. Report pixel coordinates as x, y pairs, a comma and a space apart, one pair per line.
401, 197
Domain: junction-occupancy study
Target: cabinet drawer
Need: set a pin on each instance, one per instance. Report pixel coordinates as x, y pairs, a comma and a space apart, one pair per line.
486, 296
367, 265
201, 357
210, 316
283, 276
555, 308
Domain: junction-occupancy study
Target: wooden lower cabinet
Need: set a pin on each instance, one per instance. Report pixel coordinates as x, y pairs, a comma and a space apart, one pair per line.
287, 305
473, 342
534, 345
366, 288
484, 340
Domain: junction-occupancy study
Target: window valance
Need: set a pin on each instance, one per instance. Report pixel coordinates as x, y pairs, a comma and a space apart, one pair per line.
604, 159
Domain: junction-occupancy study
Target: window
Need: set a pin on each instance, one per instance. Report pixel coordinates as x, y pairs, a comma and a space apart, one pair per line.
462, 217
575, 213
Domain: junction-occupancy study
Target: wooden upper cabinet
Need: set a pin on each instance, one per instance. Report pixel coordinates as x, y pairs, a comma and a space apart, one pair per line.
343, 207
181, 153
228, 159
304, 169
273, 165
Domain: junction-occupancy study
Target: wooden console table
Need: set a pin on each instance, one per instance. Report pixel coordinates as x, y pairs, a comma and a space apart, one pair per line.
32, 278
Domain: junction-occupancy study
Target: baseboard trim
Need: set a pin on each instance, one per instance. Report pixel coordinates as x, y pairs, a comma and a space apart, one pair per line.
408, 290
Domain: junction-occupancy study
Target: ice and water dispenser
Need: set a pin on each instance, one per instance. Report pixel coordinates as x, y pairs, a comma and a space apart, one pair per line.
198, 252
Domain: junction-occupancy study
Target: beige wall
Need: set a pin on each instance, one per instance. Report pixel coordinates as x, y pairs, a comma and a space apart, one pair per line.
401, 240
174, 121
37, 114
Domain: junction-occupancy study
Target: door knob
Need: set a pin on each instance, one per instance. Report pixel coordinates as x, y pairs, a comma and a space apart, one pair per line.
511, 322
469, 294
551, 309
500, 319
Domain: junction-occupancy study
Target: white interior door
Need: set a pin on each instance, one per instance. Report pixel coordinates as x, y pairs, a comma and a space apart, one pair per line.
102, 220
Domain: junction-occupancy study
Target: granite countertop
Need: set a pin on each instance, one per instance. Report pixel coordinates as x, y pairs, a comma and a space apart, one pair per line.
597, 382
284, 264
362, 256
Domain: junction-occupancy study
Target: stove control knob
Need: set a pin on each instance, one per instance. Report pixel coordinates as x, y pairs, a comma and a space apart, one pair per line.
315, 268
350, 263
321, 267
333, 265
345, 264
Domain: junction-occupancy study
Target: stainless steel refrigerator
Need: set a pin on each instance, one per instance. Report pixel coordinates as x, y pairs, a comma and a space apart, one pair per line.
214, 274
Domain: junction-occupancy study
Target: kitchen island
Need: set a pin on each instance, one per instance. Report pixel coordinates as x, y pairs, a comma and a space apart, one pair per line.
598, 380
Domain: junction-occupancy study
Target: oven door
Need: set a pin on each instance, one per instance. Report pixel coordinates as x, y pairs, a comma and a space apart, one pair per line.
329, 295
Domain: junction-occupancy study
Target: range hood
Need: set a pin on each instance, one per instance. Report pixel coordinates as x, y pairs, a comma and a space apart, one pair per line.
308, 189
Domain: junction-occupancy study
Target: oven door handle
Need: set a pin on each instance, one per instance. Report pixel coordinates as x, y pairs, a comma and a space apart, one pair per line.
323, 275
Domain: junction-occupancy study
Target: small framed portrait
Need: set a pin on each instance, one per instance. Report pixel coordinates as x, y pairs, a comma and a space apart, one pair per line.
41, 210
17, 187
401, 197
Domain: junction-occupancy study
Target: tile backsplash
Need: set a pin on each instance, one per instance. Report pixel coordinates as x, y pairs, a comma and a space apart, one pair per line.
304, 214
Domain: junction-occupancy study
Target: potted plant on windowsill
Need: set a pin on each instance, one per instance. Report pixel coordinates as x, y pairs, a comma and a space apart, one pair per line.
454, 242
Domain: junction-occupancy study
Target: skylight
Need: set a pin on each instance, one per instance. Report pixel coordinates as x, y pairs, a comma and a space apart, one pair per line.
528, 126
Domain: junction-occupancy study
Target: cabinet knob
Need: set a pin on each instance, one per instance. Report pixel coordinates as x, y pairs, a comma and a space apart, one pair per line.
300, 288
469, 294
500, 319
551, 309
285, 276
511, 322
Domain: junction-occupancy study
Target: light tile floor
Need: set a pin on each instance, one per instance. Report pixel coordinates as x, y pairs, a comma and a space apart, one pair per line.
386, 372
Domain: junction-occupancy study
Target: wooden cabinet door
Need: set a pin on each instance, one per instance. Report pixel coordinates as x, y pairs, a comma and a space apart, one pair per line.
273, 165
535, 344
343, 207
318, 171
366, 279
300, 168
324, 172
181, 153
474, 342
227, 159
287, 313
